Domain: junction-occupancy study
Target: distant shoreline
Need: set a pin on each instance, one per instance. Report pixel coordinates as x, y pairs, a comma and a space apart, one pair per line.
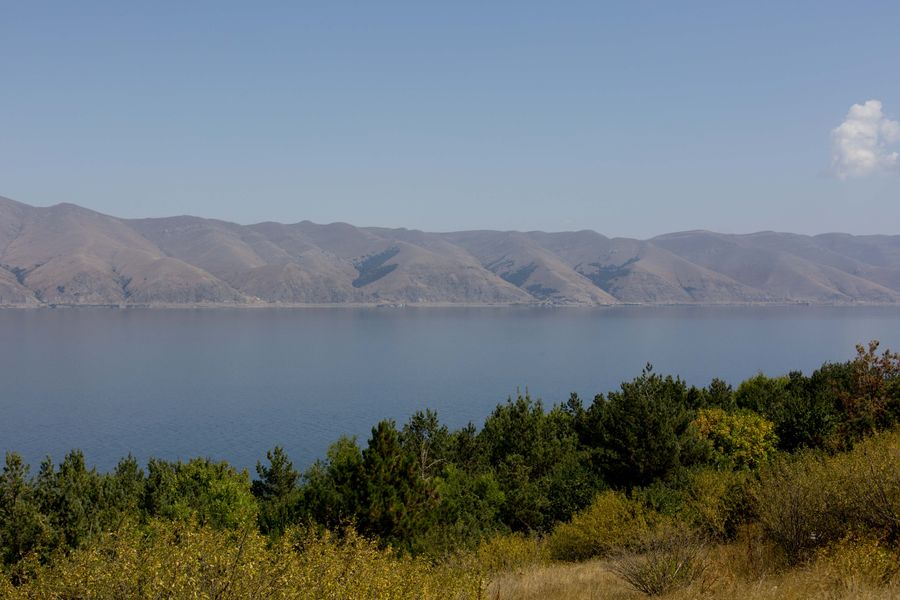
428, 305
65, 255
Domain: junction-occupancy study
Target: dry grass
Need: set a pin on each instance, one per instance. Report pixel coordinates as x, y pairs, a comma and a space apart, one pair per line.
734, 572
589, 581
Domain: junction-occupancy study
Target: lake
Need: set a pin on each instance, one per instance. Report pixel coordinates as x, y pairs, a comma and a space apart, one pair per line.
231, 384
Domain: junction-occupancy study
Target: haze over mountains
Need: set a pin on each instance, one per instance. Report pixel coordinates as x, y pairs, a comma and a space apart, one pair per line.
68, 255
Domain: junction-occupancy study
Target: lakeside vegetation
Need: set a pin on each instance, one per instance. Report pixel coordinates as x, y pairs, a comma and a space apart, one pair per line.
782, 487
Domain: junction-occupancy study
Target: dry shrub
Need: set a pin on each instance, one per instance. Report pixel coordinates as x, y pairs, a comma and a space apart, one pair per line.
854, 562
593, 581
811, 500
180, 561
753, 555
612, 522
509, 552
716, 502
870, 477
664, 562
797, 505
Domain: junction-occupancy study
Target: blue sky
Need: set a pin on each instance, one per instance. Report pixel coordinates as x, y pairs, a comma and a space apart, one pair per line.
631, 118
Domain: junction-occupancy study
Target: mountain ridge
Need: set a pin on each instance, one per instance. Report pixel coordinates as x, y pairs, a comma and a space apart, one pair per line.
64, 255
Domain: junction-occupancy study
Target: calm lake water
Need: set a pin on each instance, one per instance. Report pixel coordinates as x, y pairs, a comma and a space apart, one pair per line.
233, 383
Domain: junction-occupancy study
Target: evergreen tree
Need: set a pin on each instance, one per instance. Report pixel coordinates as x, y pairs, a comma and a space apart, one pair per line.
642, 430
276, 491
332, 488
428, 441
72, 497
395, 499
23, 529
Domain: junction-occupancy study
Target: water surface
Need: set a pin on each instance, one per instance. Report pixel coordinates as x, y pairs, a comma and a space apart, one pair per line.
232, 383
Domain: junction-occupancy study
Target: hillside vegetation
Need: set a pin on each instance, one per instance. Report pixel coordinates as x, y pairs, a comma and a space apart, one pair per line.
785, 487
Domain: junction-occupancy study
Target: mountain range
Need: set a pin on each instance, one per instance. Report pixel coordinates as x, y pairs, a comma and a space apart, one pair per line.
69, 255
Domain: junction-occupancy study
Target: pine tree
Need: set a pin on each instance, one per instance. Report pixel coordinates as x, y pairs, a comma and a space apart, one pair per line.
23, 528
276, 491
395, 498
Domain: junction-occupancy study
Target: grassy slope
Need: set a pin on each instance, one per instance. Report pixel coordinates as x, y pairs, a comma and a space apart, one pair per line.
731, 574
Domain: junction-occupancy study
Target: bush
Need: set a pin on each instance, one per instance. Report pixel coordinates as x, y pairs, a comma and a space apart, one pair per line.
212, 493
663, 563
180, 560
798, 504
870, 482
716, 502
811, 500
861, 561
510, 552
612, 522
739, 440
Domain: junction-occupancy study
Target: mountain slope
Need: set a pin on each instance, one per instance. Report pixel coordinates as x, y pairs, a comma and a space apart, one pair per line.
784, 265
517, 259
636, 271
68, 255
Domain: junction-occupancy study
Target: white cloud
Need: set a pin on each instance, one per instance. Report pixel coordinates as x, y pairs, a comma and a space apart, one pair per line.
861, 145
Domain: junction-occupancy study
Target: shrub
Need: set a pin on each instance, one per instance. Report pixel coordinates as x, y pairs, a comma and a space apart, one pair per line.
716, 502
798, 506
854, 560
213, 493
509, 552
811, 500
611, 522
741, 440
870, 483
664, 562
179, 560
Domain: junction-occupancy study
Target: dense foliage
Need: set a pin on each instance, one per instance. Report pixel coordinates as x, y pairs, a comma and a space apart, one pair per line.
790, 452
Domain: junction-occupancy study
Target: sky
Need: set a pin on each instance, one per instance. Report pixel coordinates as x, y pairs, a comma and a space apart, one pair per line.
630, 118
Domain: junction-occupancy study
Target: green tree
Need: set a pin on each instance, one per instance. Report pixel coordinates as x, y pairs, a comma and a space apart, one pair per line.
23, 529
464, 450
467, 512
719, 394
395, 500
639, 433
542, 471
124, 490
276, 491
870, 398
331, 488
807, 417
72, 498
763, 395
428, 441
213, 493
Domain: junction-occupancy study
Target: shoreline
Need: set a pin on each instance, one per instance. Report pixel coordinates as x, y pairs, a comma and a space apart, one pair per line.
443, 305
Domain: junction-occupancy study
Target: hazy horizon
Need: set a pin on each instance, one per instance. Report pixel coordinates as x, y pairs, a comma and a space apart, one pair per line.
608, 234
627, 118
